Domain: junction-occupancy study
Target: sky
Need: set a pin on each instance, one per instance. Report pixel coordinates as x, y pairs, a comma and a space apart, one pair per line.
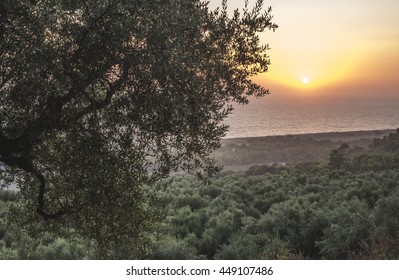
323, 49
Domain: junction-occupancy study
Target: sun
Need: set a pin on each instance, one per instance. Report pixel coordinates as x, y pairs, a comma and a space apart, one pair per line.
305, 80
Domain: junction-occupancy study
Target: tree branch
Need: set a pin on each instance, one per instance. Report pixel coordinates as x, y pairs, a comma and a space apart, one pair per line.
23, 162
41, 200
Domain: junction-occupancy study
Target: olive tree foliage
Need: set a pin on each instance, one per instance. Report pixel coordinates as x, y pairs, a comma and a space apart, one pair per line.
100, 98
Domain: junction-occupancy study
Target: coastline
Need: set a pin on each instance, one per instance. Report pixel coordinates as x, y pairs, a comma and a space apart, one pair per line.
333, 136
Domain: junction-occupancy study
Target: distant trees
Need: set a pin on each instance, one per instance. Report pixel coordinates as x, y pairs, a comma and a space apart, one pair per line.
382, 154
337, 159
100, 98
263, 169
388, 143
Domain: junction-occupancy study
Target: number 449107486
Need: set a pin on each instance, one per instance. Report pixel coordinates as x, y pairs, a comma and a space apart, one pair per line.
246, 270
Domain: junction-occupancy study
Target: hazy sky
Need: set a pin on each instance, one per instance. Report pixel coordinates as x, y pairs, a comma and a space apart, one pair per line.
326, 48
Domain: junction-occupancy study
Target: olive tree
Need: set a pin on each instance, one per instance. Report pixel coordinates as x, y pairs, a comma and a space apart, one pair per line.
99, 99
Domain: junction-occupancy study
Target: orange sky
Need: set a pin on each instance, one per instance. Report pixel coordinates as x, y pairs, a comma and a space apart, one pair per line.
346, 48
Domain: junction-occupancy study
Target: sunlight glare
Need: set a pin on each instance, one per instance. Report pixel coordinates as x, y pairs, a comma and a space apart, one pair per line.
305, 80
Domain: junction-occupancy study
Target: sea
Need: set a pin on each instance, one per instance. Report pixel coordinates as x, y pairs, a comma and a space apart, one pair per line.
263, 118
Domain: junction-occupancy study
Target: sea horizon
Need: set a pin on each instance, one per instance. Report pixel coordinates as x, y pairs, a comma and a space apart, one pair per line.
266, 117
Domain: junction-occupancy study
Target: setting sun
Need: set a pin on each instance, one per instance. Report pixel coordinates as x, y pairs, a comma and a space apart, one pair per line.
333, 57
